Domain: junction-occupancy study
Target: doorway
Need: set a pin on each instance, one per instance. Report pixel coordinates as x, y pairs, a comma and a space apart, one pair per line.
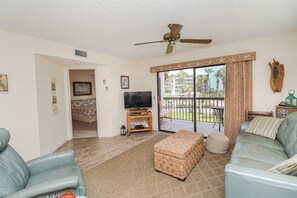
192, 99
83, 103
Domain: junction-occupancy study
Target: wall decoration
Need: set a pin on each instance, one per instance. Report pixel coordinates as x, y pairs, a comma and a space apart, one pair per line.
206, 62
53, 85
82, 88
3, 83
54, 100
125, 82
106, 87
277, 76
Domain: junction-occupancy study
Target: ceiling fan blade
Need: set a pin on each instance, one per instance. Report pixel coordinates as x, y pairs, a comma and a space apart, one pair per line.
170, 47
196, 41
175, 29
149, 42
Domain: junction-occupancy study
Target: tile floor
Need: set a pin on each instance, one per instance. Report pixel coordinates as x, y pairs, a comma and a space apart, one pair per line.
176, 125
90, 152
84, 129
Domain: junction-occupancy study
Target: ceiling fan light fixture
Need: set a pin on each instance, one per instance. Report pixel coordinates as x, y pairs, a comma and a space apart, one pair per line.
174, 35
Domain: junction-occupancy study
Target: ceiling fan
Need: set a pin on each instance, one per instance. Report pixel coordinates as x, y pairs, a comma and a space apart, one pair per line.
173, 36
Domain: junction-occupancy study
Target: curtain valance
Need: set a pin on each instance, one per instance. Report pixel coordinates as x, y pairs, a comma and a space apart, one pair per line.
248, 56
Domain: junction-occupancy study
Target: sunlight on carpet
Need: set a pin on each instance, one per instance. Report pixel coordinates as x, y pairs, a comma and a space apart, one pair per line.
132, 174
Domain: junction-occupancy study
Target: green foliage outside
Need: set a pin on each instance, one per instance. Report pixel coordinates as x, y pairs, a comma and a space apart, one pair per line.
201, 117
184, 82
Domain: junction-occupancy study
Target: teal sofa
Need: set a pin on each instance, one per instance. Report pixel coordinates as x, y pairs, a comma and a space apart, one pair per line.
46, 176
246, 174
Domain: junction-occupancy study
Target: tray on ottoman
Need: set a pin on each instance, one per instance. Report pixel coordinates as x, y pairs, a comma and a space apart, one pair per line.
177, 154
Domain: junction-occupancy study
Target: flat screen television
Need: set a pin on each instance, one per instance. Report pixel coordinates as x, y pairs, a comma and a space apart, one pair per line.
138, 100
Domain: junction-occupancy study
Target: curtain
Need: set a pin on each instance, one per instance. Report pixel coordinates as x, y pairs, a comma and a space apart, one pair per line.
238, 96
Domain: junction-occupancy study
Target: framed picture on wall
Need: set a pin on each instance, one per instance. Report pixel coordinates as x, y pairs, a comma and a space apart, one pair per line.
54, 99
82, 88
53, 85
3, 83
125, 82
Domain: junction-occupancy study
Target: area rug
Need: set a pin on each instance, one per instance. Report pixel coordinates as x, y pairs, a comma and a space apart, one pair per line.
132, 174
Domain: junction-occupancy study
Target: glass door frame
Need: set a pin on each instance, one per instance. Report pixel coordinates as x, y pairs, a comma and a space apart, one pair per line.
194, 98
194, 95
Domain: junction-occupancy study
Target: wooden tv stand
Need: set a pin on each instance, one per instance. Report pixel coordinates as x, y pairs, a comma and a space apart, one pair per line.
137, 117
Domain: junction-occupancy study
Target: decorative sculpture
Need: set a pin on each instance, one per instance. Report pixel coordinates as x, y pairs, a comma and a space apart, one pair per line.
277, 76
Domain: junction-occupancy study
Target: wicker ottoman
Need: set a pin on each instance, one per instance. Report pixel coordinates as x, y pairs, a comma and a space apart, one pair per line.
177, 154
217, 143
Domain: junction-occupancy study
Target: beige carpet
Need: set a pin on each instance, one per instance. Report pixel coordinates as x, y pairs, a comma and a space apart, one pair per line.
131, 174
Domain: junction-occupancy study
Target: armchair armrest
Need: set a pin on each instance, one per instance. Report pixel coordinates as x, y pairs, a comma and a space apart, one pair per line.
243, 126
49, 187
248, 182
50, 161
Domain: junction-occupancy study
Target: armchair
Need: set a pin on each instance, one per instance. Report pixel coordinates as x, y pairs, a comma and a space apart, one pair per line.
46, 176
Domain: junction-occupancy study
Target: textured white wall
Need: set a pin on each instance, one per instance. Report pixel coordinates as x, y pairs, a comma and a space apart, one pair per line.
281, 47
52, 128
19, 113
19, 106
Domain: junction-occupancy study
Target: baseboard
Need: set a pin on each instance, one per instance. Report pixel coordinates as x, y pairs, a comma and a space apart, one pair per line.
56, 146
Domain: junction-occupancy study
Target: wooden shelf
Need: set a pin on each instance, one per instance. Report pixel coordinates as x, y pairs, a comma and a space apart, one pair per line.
139, 130
143, 115
140, 116
283, 111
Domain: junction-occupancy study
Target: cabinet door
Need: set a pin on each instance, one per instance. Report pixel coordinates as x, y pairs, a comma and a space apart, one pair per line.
281, 112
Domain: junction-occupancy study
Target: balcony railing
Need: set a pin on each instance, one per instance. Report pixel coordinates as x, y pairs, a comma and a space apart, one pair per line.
182, 108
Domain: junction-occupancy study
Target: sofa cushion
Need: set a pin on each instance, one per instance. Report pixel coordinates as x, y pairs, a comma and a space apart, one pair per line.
259, 153
264, 126
14, 172
260, 140
287, 134
56, 173
249, 163
288, 167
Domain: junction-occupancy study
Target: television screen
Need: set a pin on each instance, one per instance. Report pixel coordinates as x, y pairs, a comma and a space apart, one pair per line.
140, 99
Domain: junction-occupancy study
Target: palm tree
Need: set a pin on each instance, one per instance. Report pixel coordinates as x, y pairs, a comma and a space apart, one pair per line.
201, 84
208, 71
168, 84
217, 76
223, 77
181, 76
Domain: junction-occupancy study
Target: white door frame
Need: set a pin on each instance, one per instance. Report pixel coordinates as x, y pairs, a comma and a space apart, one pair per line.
68, 96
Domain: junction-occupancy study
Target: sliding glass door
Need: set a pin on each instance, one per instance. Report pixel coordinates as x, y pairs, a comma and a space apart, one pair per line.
209, 97
192, 99
176, 101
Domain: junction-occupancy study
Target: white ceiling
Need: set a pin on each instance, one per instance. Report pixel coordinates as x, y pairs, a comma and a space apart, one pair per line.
113, 26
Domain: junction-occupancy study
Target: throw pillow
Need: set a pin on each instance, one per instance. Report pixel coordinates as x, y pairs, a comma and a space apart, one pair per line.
264, 126
288, 167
